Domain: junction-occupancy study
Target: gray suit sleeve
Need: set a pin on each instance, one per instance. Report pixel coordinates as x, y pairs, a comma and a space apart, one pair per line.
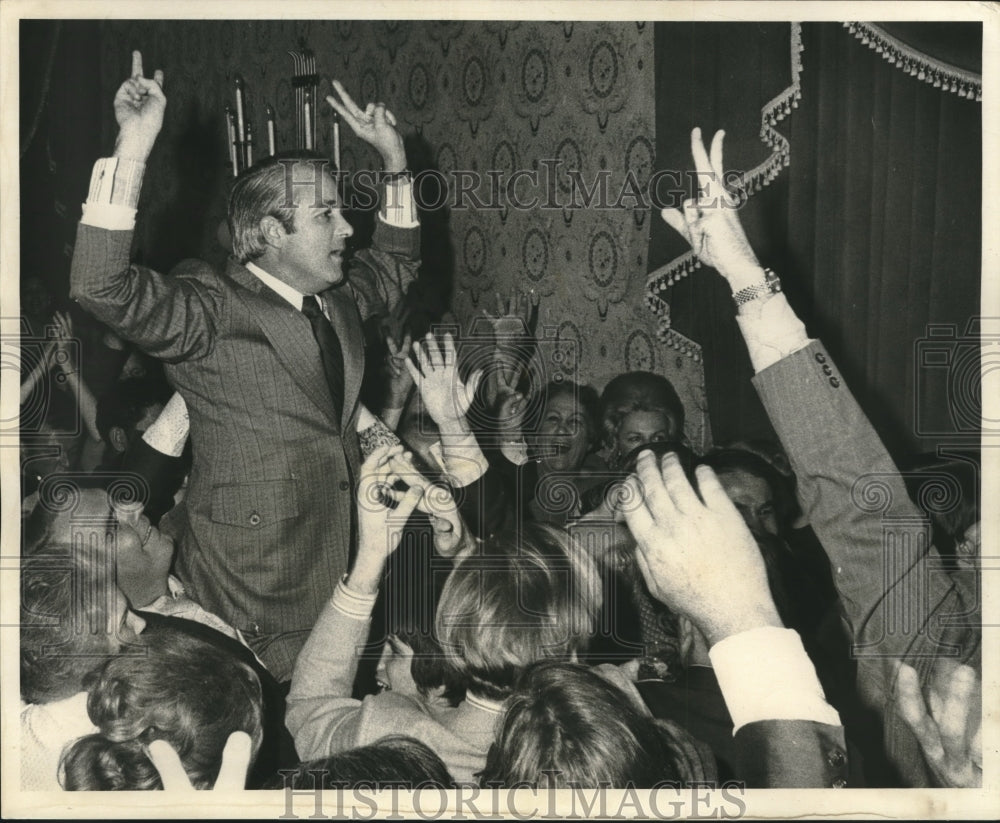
379, 276
898, 601
169, 317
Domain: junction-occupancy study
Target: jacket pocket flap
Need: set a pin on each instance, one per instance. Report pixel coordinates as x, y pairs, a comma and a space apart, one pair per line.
254, 505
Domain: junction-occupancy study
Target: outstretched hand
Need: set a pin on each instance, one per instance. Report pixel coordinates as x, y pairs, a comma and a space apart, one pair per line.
236, 757
710, 222
946, 725
376, 125
445, 395
516, 315
696, 553
139, 107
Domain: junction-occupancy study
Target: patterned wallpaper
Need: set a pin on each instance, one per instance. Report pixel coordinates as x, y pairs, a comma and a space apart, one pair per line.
481, 97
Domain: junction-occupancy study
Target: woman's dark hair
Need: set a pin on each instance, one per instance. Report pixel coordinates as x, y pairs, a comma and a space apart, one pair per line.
415, 576
392, 762
180, 689
565, 726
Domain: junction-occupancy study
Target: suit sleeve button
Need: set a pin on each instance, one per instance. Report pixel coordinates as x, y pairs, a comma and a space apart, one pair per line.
834, 382
827, 370
344, 485
820, 357
254, 519
839, 783
836, 758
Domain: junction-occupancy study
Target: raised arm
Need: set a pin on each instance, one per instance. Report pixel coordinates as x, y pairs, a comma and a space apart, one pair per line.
380, 275
698, 557
322, 716
168, 317
898, 605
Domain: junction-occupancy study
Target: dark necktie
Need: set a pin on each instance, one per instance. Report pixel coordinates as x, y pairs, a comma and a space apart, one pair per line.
329, 349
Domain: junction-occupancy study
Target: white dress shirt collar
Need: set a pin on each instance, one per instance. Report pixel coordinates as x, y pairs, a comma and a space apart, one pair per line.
285, 291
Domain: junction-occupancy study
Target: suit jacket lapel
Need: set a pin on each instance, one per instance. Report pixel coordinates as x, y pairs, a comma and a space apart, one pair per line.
343, 313
290, 335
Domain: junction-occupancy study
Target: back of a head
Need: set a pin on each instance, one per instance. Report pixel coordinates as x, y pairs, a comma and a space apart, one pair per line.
176, 688
63, 598
394, 761
527, 596
566, 726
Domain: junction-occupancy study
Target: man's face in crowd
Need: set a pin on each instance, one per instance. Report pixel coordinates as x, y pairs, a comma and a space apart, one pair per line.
142, 555
564, 426
753, 497
311, 258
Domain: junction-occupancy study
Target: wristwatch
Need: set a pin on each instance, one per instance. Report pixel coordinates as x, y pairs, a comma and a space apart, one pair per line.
771, 284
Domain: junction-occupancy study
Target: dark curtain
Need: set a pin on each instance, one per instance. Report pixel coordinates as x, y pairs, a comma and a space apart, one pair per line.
60, 83
874, 228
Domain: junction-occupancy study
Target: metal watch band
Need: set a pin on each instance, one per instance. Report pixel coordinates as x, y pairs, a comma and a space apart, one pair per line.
770, 285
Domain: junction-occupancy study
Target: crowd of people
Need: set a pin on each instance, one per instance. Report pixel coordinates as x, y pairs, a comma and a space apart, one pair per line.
235, 572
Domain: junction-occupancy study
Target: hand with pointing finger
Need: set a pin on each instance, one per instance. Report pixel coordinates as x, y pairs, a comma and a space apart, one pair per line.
139, 107
710, 222
376, 125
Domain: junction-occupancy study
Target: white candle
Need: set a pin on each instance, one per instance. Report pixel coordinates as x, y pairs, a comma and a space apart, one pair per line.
239, 107
336, 141
249, 145
232, 140
306, 109
270, 131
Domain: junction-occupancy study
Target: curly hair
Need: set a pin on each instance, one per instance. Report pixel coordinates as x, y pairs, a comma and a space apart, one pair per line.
566, 726
181, 689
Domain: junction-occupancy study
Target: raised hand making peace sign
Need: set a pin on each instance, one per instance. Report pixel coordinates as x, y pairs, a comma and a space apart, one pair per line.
710, 222
375, 125
139, 107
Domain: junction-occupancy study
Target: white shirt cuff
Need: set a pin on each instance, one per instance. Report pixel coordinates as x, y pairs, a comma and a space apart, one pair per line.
398, 206
772, 330
114, 194
169, 431
765, 674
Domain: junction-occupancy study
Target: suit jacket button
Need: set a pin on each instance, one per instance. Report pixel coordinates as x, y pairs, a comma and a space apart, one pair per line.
834, 382
820, 357
344, 485
839, 783
836, 758
254, 519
